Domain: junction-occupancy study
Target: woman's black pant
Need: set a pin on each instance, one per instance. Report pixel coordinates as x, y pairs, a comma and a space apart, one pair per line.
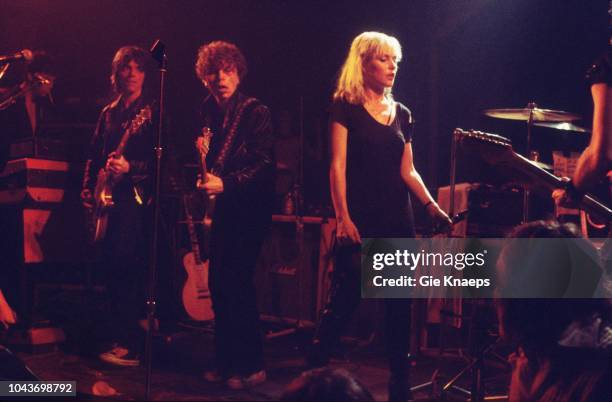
344, 298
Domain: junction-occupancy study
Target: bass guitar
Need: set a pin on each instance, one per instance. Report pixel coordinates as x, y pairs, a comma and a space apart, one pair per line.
497, 150
103, 193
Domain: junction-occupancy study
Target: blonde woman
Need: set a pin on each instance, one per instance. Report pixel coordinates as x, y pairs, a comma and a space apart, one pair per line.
371, 177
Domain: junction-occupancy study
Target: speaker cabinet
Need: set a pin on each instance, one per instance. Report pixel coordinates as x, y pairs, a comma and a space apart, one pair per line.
292, 273
493, 212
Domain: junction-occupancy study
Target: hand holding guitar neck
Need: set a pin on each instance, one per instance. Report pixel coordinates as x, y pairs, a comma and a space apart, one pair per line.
117, 164
204, 181
213, 185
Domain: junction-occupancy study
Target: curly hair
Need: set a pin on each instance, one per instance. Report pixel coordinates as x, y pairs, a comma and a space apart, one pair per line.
217, 55
122, 58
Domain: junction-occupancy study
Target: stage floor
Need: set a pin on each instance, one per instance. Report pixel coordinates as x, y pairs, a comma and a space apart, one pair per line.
180, 357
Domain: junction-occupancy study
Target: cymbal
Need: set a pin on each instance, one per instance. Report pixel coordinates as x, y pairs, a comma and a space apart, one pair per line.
565, 126
538, 114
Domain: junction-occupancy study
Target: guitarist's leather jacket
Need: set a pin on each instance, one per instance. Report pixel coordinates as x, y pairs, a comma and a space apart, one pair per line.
110, 127
248, 169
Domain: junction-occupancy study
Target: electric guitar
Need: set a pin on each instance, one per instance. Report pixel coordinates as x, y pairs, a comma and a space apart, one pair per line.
202, 145
103, 193
497, 150
196, 294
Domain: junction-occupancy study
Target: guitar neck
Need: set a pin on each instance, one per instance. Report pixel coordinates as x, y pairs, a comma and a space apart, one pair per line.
143, 116
203, 169
122, 144
551, 182
193, 237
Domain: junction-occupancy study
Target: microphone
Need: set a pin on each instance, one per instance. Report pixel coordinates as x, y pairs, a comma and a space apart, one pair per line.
26, 55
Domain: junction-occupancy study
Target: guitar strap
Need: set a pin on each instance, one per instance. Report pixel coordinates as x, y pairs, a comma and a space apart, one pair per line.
231, 135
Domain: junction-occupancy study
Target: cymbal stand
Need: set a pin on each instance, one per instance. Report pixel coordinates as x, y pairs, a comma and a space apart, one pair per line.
299, 216
453, 173
531, 106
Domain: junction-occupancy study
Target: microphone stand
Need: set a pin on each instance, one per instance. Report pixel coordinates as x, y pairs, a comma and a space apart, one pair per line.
158, 52
299, 218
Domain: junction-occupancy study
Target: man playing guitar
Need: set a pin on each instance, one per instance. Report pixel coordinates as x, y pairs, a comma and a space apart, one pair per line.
240, 178
121, 155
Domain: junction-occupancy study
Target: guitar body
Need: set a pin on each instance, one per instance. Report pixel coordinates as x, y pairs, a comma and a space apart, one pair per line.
103, 192
196, 295
103, 198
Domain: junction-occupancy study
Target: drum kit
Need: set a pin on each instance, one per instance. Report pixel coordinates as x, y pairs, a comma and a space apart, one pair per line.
536, 116
497, 150
529, 171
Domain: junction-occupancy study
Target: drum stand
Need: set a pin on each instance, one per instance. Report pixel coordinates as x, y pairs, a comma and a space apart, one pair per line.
530, 106
438, 390
475, 366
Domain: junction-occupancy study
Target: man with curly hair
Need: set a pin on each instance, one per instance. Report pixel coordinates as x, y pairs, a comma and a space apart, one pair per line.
241, 180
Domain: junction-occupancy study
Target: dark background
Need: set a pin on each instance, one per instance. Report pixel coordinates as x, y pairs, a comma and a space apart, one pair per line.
460, 57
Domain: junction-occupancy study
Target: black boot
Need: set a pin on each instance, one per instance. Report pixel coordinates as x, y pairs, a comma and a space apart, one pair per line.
323, 342
344, 297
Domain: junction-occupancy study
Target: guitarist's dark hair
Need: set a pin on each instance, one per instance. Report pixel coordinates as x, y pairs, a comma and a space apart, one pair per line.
122, 58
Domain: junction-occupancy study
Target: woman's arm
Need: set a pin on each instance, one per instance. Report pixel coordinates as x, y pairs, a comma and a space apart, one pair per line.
413, 180
346, 231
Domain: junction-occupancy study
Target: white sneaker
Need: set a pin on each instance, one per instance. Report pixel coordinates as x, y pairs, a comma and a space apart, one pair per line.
120, 356
241, 382
213, 376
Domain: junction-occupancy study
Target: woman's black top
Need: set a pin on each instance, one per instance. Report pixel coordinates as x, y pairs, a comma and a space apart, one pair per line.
377, 197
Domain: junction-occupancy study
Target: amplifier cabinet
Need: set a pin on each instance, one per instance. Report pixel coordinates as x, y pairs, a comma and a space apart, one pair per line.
292, 284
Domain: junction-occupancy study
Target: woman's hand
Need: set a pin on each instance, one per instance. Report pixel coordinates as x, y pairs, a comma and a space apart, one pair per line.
346, 232
440, 218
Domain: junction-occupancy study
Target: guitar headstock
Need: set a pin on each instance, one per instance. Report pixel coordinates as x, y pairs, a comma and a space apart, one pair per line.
142, 118
491, 147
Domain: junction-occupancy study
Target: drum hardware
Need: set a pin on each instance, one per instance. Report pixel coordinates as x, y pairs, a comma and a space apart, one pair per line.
497, 151
481, 344
563, 126
531, 114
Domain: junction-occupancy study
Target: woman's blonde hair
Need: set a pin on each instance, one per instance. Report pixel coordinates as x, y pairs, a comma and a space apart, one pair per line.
350, 86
